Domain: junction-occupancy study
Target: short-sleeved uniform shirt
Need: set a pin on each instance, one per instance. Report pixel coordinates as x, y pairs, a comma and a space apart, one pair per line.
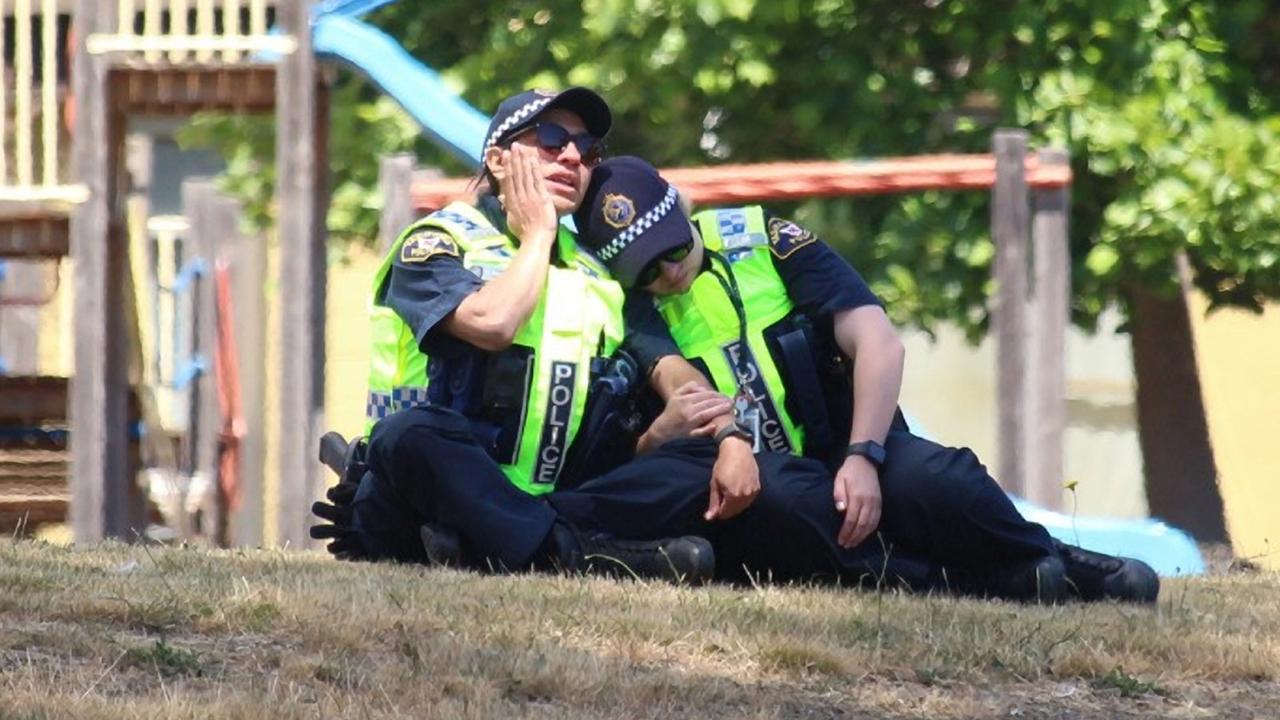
424, 287
819, 282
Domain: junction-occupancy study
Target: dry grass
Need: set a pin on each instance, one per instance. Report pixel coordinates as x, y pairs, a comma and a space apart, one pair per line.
125, 631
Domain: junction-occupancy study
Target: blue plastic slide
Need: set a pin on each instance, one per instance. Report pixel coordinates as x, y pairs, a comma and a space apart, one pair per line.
460, 128
1170, 551
447, 118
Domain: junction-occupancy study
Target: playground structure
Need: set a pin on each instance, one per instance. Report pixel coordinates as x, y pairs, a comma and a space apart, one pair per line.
131, 59
99, 65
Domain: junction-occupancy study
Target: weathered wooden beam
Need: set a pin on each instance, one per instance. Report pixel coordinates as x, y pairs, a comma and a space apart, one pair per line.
301, 161
35, 237
395, 182
1050, 317
198, 199
1009, 231
33, 401
106, 500
181, 91
247, 258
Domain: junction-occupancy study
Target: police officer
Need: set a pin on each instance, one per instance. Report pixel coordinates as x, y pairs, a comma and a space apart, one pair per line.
779, 322
490, 325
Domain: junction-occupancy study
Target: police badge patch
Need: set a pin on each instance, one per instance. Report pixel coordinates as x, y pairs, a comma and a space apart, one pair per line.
618, 210
426, 244
786, 237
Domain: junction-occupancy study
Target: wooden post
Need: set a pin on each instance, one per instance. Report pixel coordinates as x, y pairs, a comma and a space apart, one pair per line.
1051, 314
395, 178
206, 419
247, 257
301, 161
106, 501
1009, 230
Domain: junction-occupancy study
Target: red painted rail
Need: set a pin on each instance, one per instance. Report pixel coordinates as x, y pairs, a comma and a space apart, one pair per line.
728, 184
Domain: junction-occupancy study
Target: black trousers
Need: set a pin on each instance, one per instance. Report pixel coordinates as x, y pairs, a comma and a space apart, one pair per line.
941, 510
940, 507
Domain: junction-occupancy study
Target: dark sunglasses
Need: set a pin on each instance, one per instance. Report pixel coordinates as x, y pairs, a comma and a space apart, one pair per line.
654, 268
554, 137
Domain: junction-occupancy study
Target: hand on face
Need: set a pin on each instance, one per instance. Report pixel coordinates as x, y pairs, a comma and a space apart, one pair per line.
561, 169
523, 192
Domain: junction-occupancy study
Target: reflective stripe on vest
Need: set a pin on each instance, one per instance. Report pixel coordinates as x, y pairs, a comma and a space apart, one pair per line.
704, 325
579, 313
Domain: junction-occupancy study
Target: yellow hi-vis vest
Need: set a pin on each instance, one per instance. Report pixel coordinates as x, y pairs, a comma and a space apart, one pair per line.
578, 316
704, 324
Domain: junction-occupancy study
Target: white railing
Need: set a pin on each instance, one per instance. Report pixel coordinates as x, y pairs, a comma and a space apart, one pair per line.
30, 171
169, 35
34, 162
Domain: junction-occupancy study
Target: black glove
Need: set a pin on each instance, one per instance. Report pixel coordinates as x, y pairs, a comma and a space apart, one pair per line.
345, 543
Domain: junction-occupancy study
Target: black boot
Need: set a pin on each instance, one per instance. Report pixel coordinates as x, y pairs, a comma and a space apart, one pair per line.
443, 545
1041, 581
1097, 576
687, 560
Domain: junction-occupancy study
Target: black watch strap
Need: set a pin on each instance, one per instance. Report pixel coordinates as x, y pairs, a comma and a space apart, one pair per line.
735, 429
869, 449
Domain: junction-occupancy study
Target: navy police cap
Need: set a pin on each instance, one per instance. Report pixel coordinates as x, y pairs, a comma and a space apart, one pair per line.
521, 111
629, 216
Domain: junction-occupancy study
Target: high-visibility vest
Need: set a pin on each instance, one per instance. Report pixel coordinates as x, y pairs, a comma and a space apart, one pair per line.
578, 317
705, 325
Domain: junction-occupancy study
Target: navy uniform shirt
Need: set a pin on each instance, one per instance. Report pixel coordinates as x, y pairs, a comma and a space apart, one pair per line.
427, 282
819, 282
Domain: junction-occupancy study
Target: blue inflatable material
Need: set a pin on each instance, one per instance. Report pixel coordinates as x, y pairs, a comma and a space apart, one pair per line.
1170, 551
460, 128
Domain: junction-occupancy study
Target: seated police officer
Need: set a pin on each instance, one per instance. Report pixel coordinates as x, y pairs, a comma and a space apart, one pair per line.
490, 329
783, 326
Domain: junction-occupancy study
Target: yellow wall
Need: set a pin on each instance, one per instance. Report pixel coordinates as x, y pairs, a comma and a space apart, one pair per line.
1237, 352
347, 341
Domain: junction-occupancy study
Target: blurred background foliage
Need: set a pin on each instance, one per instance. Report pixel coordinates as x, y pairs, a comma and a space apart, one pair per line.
1168, 108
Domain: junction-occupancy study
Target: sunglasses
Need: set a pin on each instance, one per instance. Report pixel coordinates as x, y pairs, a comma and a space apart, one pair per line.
651, 271
555, 138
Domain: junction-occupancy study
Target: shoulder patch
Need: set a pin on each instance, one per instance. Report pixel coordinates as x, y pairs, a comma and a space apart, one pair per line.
786, 237
426, 244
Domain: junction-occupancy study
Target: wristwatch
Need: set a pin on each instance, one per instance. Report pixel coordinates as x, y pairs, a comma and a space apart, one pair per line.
735, 429
869, 449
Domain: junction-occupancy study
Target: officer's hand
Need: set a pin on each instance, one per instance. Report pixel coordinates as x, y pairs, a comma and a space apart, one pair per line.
857, 495
689, 412
735, 480
344, 542
524, 195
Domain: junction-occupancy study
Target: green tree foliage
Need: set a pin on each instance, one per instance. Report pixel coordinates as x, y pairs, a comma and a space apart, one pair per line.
1167, 107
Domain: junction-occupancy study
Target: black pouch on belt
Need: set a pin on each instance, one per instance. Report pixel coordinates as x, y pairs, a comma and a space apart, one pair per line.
508, 378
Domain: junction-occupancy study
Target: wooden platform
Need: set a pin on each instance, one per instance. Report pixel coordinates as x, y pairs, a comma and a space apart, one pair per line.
39, 235
34, 457
181, 90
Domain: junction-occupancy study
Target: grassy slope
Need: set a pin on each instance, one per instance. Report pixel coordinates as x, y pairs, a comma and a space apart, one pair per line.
124, 631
